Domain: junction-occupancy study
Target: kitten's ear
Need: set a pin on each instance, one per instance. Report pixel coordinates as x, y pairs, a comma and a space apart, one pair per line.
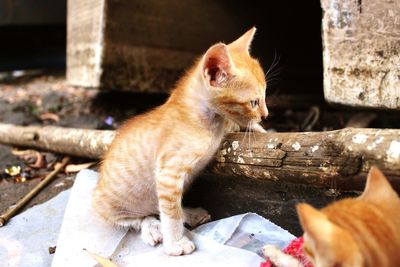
217, 65
314, 222
243, 43
378, 189
325, 240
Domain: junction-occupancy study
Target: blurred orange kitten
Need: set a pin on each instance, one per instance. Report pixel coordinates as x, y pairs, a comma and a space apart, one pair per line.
155, 156
355, 232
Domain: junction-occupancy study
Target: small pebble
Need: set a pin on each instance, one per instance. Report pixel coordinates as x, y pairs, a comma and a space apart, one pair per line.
52, 250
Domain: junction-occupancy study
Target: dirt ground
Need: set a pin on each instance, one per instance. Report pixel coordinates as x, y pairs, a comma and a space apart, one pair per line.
44, 98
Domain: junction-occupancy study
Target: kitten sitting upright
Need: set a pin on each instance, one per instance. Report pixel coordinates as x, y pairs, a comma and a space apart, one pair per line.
355, 232
155, 156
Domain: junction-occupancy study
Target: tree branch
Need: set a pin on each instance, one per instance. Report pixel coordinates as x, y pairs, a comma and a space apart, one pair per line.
335, 159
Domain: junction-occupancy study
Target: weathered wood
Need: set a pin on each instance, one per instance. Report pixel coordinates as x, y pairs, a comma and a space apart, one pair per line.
71, 141
361, 53
335, 159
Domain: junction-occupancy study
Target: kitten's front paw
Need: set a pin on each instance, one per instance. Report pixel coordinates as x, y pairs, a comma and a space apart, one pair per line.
258, 128
181, 247
279, 258
271, 252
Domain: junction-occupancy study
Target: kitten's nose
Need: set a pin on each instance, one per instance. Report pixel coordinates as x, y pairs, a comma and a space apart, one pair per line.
264, 113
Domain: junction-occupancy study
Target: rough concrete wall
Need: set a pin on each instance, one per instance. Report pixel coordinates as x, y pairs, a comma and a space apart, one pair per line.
85, 38
361, 41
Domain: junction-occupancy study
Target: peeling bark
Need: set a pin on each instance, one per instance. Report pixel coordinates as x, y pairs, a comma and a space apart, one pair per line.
71, 141
335, 159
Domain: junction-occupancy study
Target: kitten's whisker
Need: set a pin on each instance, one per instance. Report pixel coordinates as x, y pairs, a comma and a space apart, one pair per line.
275, 62
252, 129
273, 79
245, 134
248, 133
273, 74
249, 140
272, 64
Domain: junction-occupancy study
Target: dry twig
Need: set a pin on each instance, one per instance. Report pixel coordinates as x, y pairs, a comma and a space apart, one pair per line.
12, 211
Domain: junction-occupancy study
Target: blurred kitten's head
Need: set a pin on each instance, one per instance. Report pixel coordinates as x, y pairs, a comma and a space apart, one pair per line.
353, 232
235, 80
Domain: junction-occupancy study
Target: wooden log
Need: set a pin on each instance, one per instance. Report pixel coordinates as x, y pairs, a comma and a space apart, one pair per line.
71, 141
335, 159
361, 53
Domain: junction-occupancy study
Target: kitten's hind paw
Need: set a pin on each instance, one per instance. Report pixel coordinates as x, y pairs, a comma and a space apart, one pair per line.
151, 231
181, 247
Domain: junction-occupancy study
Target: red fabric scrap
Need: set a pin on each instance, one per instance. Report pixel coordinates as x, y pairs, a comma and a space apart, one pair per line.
295, 249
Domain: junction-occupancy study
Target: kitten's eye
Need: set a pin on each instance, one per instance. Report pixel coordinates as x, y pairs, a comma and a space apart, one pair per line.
254, 103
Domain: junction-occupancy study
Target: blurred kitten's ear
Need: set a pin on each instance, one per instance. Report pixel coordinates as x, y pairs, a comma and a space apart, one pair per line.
217, 65
378, 189
243, 43
324, 239
314, 222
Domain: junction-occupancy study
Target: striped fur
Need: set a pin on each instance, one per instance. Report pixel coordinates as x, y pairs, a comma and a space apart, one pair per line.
359, 232
356, 232
155, 156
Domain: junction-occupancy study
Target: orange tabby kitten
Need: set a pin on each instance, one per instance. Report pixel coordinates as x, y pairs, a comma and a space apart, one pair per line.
356, 232
155, 156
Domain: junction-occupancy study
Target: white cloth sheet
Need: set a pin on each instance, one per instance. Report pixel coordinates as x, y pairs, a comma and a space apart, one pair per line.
232, 241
